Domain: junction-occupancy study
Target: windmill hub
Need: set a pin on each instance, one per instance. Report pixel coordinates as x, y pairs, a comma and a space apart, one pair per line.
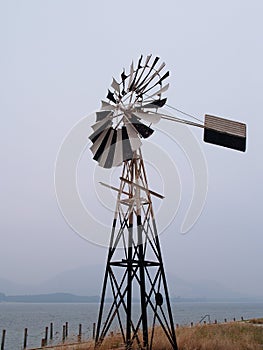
126, 108
127, 116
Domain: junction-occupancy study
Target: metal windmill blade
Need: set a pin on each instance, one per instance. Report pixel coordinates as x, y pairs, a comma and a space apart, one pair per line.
126, 117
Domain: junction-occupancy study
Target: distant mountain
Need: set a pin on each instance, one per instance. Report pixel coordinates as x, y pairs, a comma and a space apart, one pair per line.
87, 281
81, 281
50, 298
200, 289
10, 287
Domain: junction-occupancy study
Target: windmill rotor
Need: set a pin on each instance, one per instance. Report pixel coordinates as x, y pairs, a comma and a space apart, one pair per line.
131, 109
133, 106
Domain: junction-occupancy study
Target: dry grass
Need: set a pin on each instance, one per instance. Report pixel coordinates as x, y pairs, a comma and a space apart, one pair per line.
228, 336
256, 321
73, 346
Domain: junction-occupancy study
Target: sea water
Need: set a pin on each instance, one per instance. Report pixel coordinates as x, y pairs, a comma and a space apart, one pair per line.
15, 317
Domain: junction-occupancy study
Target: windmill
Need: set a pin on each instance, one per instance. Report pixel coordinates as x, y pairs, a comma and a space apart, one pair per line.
134, 267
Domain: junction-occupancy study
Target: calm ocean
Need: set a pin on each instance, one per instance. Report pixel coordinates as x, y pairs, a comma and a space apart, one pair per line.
14, 317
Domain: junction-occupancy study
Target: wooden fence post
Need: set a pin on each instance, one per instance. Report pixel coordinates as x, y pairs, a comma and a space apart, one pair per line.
46, 335
51, 331
64, 333
94, 330
25, 338
3, 340
66, 329
79, 335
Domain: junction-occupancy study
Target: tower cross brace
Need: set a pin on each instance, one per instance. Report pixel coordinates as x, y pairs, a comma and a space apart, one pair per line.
134, 269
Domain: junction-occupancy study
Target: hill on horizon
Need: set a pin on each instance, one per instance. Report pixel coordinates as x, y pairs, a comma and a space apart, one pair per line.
87, 281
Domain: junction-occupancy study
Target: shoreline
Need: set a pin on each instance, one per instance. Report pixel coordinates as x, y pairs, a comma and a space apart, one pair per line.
72, 298
203, 333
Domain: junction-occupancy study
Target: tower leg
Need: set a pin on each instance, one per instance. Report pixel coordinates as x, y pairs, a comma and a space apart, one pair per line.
142, 283
169, 310
129, 287
135, 265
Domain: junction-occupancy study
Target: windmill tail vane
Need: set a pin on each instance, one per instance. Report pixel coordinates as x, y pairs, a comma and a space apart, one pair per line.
135, 271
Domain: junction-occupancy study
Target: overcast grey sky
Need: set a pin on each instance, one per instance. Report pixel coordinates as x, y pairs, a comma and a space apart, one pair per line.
57, 60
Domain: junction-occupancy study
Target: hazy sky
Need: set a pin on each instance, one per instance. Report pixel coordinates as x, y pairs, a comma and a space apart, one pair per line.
56, 64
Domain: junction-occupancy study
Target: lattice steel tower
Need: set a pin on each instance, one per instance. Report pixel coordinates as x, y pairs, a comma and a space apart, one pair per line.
136, 267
